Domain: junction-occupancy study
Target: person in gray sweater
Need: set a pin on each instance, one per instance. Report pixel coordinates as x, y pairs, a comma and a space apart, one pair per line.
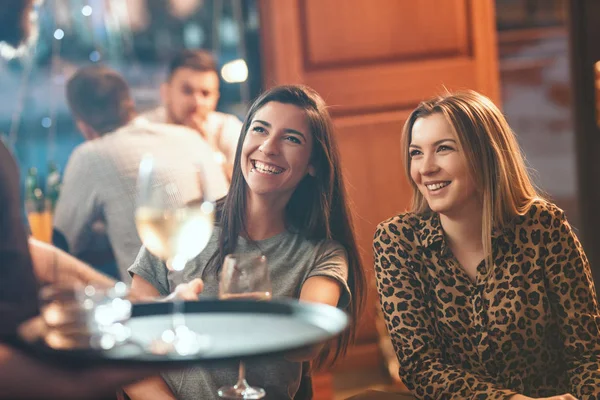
287, 201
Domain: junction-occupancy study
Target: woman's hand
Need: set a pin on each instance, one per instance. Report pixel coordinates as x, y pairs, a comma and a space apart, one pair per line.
187, 291
142, 290
566, 396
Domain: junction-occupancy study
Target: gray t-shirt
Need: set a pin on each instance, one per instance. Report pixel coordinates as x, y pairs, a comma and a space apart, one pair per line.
292, 259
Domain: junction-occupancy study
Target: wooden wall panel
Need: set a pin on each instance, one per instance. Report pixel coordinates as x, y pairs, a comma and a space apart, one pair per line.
378, 88
373, 61
369, 172
390, 30
366, 171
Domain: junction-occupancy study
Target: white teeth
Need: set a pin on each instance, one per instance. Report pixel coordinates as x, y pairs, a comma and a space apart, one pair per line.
437, 186
267, 169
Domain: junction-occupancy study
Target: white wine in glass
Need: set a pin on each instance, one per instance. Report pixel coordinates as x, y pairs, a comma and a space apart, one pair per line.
244, 277
175, 229
175, 235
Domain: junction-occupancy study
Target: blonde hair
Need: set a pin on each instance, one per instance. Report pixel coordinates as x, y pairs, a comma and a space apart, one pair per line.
493, 155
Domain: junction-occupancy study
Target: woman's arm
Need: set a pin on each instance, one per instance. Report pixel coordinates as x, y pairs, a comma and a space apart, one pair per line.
321, 289
573, 302
410, 324
143, 288
317, 289
144, 291
154, 388
326, 284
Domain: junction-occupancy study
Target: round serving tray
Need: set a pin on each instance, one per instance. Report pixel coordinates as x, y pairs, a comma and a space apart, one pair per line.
235, 329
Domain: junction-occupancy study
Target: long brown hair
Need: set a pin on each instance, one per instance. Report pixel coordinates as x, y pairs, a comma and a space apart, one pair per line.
493, 155
318, 208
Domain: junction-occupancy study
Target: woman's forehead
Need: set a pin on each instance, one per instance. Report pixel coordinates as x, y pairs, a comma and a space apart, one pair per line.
431, 129
283, 117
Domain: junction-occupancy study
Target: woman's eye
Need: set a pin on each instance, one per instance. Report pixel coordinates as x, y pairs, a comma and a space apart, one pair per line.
293, 139
414, 153
444, 148
258, 129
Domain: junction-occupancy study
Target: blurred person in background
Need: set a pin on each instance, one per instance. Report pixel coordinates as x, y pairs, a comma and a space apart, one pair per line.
99, 183
190, 96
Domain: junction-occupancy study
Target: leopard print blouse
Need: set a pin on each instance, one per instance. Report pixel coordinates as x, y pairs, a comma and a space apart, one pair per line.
529, 326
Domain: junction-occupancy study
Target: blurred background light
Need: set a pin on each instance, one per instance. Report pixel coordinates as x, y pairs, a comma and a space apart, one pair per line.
59, 34
235, 71
95, 56
86, 11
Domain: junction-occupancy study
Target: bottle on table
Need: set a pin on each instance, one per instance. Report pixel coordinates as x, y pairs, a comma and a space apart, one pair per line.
53, 181
41, 227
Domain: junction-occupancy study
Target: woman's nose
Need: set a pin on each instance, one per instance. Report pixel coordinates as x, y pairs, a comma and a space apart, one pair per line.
429, 165
269, 146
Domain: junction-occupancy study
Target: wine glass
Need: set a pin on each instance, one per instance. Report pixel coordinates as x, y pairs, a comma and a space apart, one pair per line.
244, 277
175, 220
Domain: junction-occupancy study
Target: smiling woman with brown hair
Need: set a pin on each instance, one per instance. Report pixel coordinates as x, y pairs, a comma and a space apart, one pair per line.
486, 291
287, 201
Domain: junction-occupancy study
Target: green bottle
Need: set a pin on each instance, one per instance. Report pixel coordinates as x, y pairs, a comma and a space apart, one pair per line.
53, 181
34, 198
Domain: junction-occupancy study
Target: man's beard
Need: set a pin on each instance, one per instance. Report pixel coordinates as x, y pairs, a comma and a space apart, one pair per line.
173, 118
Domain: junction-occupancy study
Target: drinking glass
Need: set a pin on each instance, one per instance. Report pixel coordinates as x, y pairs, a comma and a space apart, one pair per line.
244, 277
89, 316
175, 222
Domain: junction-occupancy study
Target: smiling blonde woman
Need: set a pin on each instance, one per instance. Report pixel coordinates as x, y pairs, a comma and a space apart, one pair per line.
486, 291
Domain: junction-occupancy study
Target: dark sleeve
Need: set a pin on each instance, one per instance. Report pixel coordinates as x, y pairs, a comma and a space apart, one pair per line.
573, 300
405, 309
18, 287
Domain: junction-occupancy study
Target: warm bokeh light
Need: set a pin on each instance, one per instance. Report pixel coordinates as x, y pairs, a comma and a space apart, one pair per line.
235, 71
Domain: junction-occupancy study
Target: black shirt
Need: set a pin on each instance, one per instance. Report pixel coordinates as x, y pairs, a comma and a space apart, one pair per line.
18, 285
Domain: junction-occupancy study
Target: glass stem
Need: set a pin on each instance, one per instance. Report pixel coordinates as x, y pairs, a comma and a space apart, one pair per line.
242, 376
178, 314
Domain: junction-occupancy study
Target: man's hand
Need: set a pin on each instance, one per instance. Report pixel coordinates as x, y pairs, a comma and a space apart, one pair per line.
196, 122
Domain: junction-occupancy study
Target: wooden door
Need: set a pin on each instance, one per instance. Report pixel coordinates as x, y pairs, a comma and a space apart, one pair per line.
584, 24
373, 61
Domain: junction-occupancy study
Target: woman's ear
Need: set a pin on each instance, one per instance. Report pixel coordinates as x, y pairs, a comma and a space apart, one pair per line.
312, 171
